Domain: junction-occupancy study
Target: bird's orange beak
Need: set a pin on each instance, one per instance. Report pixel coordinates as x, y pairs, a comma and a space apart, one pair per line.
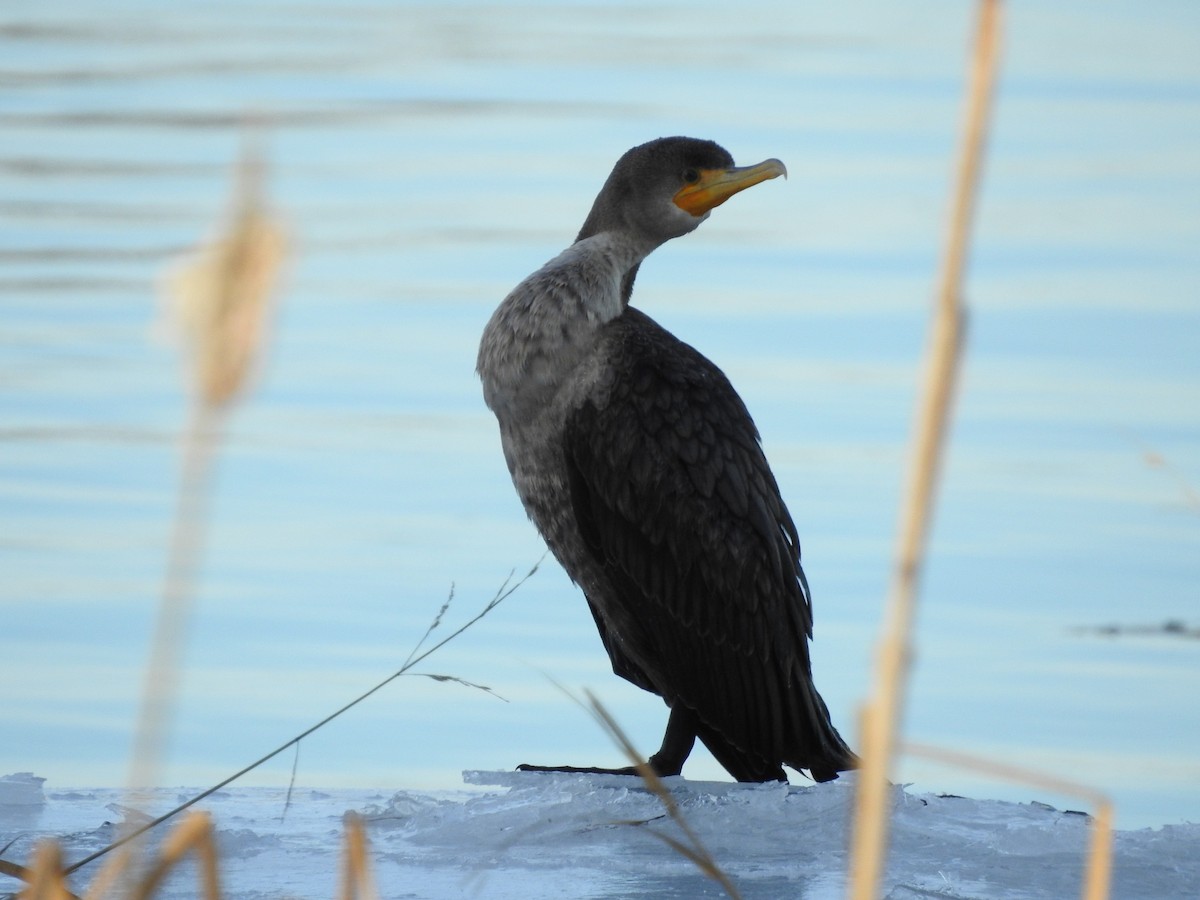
715, 186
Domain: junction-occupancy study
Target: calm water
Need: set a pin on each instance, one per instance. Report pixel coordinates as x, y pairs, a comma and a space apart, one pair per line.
425, 158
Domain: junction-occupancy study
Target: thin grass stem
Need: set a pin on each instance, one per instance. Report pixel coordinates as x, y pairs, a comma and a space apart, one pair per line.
506, 590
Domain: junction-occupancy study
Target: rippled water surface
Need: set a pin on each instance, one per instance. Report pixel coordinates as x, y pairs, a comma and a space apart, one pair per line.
424, 158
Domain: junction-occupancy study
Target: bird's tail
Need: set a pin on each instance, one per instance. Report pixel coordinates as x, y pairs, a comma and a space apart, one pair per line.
810, 743
816, 744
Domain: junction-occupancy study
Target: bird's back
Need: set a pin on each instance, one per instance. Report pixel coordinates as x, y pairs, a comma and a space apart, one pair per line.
700, 590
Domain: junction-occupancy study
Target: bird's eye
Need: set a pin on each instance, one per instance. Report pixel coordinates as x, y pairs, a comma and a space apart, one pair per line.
691, 176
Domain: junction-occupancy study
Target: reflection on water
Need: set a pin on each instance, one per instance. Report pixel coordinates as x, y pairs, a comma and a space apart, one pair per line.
426, 158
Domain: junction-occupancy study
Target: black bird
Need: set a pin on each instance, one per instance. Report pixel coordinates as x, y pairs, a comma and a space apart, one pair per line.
642, 469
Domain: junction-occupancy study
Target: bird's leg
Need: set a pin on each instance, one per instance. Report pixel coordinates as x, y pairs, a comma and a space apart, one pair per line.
677, 742
677, 745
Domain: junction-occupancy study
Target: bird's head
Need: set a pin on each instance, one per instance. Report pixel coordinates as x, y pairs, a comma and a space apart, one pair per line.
667, 187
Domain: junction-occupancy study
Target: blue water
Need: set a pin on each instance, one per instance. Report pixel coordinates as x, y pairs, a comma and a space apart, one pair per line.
424, 158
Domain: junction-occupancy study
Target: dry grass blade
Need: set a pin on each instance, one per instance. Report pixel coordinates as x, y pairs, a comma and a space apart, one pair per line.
109, 874
287, 800
502, 593
358, 880
454, 679
195, 833
437, 620
1098, 869
1156, 460
693, 848
14, 870
882, 715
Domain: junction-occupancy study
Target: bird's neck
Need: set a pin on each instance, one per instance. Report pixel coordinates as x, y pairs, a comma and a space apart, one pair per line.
591, 280
548, 325
611, 254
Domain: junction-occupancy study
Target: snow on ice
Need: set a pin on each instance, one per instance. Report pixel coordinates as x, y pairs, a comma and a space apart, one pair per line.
535, 835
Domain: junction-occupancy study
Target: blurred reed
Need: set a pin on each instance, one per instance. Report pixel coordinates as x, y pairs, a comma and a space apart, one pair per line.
220, 302
221, 299
882, 714
358, 878
46, 878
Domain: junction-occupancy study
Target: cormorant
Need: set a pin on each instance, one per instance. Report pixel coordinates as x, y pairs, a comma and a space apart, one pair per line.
642, 469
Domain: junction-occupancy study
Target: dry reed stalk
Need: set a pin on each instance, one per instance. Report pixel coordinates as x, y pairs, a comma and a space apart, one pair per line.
358, 880
221, 304
187, 531
883, 712
1098, 867
221, 301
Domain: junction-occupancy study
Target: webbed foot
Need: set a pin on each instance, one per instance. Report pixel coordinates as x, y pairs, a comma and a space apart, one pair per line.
579, 770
